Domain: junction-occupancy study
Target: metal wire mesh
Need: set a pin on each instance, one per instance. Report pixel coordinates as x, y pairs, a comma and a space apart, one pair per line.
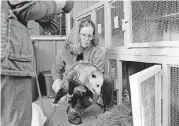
100, 25
113, 68
117, 33
174, 97
148, 101
154, 21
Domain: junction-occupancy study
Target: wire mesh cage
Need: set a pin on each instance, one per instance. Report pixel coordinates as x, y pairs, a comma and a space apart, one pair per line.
174, 96
100, 25
117, 15
113, 68
155, 21
148, 101
145, 89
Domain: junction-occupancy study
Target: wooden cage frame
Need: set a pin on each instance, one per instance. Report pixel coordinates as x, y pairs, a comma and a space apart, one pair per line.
164, 53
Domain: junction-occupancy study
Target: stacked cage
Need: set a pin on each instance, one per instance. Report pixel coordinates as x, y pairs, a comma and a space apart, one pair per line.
117, 15
173, 92
155, 21
100, 24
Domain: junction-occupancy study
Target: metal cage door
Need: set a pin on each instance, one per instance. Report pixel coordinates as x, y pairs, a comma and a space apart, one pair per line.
145, 89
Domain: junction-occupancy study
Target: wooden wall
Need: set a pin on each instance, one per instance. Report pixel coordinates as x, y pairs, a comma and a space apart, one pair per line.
45, 52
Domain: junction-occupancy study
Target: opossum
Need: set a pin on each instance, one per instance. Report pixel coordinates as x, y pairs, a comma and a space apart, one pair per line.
81, 96
84, 74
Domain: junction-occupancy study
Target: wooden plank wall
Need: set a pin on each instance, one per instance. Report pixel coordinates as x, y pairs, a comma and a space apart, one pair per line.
45, 53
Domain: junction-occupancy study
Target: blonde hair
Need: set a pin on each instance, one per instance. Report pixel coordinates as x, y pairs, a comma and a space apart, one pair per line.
73, 41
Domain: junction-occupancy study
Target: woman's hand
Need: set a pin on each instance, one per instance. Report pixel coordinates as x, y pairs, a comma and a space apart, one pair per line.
65, 98
56, 85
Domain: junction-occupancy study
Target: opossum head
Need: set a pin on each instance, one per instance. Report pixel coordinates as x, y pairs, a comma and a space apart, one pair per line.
96, 82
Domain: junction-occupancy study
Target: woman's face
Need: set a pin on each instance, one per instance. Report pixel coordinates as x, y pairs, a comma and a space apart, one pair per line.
86, 35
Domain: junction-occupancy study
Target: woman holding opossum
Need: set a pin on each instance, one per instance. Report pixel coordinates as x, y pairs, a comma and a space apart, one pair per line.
82, 44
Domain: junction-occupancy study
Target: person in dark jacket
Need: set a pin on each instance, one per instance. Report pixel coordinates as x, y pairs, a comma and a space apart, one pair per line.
17, 59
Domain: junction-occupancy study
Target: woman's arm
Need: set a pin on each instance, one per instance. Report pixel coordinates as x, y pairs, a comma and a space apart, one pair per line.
98, 58
58, 67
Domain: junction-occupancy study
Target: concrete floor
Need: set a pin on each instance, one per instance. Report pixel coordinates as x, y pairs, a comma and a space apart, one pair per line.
58, 116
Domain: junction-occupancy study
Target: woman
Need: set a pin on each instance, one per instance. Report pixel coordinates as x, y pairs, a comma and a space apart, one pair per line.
82, 44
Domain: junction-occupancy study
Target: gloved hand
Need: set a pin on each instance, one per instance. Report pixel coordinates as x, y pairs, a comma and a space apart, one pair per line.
50, 27
65, 98
56, 85
49, 22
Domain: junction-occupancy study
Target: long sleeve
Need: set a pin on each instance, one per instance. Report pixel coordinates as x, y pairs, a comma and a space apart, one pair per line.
38, 10
58, 67
98, 59
42, 9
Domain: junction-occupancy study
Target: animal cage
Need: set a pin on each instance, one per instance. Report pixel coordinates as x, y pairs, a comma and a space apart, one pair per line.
154, 23
170, 97
146, 91
142, 32
146, 97
100, 25
173, 96
117, 15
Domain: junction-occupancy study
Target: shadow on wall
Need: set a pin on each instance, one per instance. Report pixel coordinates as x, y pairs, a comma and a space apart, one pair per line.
45, 81
130, 68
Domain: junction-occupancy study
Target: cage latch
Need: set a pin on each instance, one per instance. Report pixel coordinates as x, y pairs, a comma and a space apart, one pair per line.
124, 24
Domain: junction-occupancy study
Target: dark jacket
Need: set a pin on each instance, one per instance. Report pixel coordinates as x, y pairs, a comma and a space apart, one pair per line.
19, 58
